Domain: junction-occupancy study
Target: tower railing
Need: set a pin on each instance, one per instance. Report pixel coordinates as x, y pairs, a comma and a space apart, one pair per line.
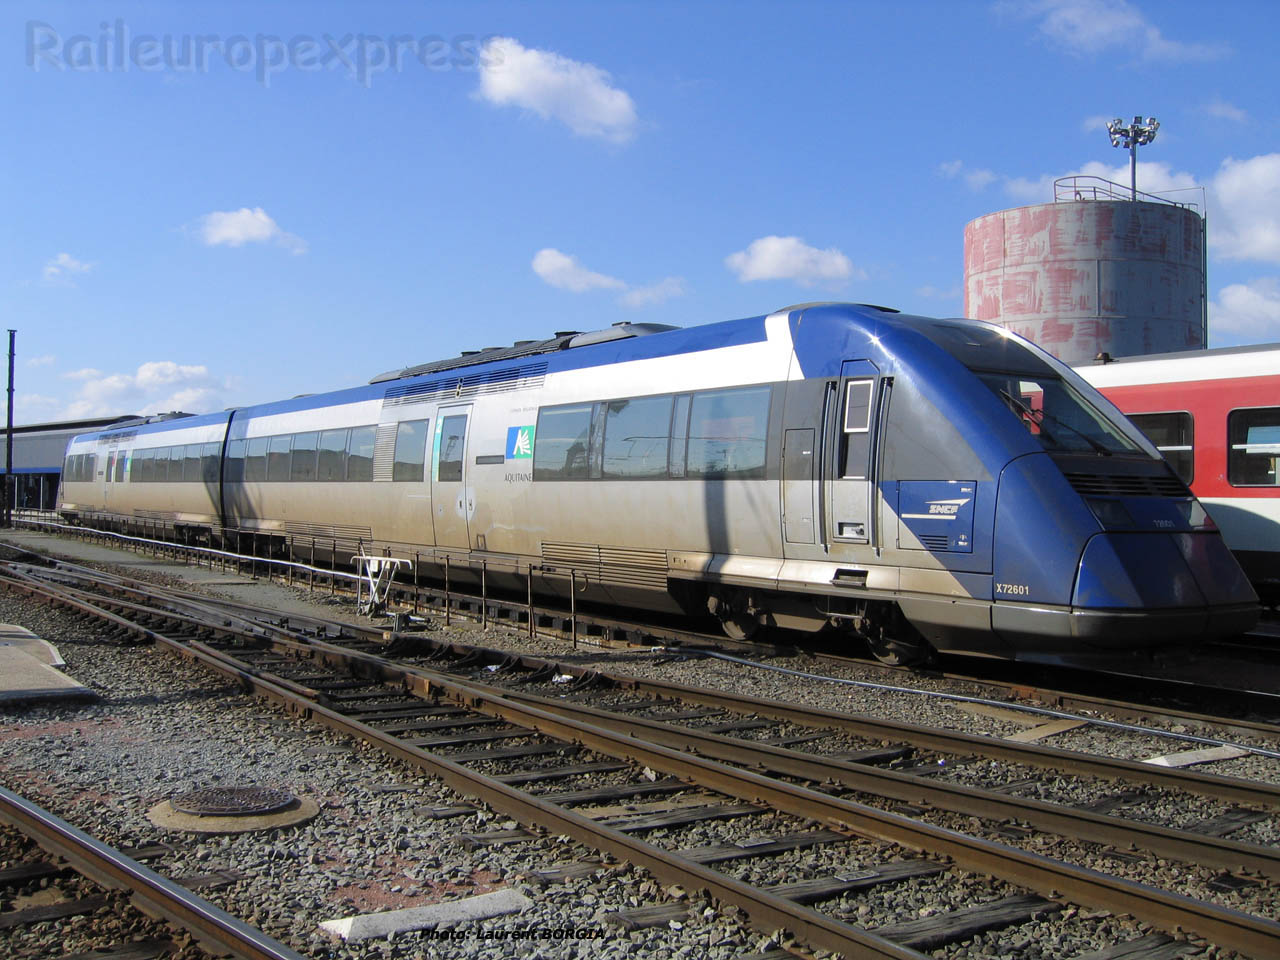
1096, 188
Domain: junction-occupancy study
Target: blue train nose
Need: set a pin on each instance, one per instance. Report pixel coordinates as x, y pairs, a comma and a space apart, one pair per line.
1183, 583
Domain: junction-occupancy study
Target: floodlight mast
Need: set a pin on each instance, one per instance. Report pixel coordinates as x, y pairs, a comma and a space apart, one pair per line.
1138, 133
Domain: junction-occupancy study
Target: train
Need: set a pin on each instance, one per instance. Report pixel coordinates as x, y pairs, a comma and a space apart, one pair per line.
1215, 415
925, 485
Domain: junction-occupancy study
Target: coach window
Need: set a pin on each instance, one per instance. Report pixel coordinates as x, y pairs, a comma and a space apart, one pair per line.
1253, 447
191, 465
679, 436
1174, 436
636, 438
140, 468
303, 459
122, 466
278, 458
111, 467
160, 466
360, 453
210, 460
255, 460
235, 461
727, 431
411, 450
563, 437
332, 464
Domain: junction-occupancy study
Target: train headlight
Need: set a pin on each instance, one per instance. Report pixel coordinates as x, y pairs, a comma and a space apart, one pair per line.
1110, 513
1196, 515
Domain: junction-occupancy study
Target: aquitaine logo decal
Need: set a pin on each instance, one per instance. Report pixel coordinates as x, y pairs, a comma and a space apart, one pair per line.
520, 443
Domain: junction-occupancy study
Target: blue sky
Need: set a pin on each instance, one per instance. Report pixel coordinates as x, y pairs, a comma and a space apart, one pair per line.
243, 202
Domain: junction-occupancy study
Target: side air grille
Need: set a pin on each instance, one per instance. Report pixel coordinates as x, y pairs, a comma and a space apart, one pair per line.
530, 375
937, 542
623, 566
1102, 485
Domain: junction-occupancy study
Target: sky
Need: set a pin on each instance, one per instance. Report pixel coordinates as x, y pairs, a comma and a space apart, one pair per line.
229, 203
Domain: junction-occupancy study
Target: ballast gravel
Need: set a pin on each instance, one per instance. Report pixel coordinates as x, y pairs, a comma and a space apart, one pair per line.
164, 727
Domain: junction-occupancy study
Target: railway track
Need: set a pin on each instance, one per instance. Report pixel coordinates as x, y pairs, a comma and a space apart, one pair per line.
61, 873
510, 747
1191, 690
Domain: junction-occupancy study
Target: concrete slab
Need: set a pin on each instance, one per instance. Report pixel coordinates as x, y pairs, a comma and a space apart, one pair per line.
163, 815
12, 635
369, 925
1050, 729
26, 679
1188, 758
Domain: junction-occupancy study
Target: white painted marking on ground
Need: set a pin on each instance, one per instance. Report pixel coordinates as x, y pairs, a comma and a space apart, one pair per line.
370, 925
1189, 757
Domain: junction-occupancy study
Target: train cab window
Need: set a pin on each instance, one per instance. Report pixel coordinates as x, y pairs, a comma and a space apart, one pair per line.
411, 451
856, 439
302, 463
636, 438
255, 460
191, 463
1173, 434
278, 451
234, 471
122, 465
360, 453
563, 437
453, 444
332, 455
727, 433
1253, 447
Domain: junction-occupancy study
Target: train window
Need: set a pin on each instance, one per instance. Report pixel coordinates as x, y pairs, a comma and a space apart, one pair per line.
727, 431
1253, 447
140, 468
679, 435
453, 445
563, 436
160, 466
302, 463
235, 461
636, 437
411, 450
111, 466
1173, 435
122, 465
332, 464
210, 461
278, 458
855, 444
255, 460
360, 453
1055, 414
191, 465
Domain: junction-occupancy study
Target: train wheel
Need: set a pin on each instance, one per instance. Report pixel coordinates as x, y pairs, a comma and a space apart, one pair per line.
735, 620
898, 653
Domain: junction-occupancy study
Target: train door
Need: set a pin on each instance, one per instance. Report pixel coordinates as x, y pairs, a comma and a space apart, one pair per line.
453, 500
851, 445
107, 481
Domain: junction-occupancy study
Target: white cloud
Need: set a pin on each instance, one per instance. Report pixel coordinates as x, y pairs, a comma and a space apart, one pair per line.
1225, 111
1247, 310
565, 272
579, 95
654, 293
1155, 178
1096, 122
1090, 27
977, 180
790, 258
64, 267
234, 228
939, 293
155, 387
44, 360
1244, 222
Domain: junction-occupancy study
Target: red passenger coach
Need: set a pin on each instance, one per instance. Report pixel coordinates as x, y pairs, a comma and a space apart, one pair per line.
1215, 414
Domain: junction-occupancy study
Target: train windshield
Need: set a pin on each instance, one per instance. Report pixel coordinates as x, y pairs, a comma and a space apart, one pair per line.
1056, 415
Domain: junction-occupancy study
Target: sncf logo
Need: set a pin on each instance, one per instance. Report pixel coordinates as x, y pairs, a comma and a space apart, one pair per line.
946, 508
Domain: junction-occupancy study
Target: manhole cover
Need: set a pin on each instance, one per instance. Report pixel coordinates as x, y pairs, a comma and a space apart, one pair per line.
232, 801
